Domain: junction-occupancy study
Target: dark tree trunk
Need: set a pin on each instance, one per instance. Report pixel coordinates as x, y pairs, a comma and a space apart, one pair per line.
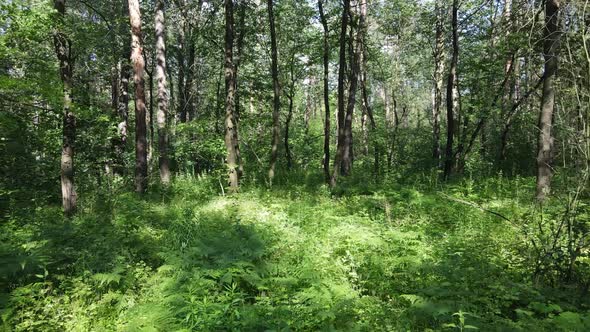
356, 36
545, 142
341, 105
230, 85
326, 59
64, 54
140, 109
276, 90
163, 161
451, 94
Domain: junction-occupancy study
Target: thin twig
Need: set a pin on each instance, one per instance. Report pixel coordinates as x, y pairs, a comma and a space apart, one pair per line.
479, 207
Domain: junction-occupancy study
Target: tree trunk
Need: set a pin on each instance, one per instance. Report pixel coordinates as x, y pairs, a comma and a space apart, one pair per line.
452, 94
439, 68
287, 124
276, 90
230, 85
63, 51
341, 106
160, 27
182, 116
238, 61
545, 141
354, 44
123, 100
326, 58
140, 109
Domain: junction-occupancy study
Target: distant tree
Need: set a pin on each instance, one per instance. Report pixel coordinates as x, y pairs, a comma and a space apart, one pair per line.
274, 152
439, 68
452, 93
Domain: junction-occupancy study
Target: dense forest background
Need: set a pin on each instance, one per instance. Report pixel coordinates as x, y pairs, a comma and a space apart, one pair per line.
294, 165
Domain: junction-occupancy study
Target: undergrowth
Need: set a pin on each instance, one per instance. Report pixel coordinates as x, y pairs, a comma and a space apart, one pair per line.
365, 257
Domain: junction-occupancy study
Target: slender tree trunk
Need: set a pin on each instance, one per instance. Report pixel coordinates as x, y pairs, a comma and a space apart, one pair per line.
63, 50
276, 89
150, 116
365, 95
545, 142
160, 26
123, 105
182, 116
451, 93
237, 110
326, 58
341, 105
287, 124
230, 85
439, 68
140, 109
188, 107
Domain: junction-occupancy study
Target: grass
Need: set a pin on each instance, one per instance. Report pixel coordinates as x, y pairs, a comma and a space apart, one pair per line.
294, 258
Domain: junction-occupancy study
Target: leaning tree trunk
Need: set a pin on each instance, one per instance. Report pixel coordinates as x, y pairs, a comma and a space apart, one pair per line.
341, 106
326, 58
276, 90
451, 94
230, 76
63, 51
140, 109
545, 142
163, 160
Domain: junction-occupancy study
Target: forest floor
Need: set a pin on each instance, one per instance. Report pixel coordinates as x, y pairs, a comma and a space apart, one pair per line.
298, 257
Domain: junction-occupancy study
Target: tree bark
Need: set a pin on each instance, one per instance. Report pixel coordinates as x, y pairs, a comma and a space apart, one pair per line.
63, 50
326, 60
276, 90
341, 105
160, 26
451, 93
237, 110
439, 68
347, 155
545, 141
230, 85
140, 108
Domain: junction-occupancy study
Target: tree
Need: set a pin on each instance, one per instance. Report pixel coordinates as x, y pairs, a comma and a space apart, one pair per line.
341, 106
63, 50
141, 171
230, 76
276, 93
545, 142
162, 93
452, 93
326, 64
123, 93
439, 68
355, 58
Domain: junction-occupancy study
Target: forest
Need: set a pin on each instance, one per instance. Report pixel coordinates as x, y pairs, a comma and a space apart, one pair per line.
294, 165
